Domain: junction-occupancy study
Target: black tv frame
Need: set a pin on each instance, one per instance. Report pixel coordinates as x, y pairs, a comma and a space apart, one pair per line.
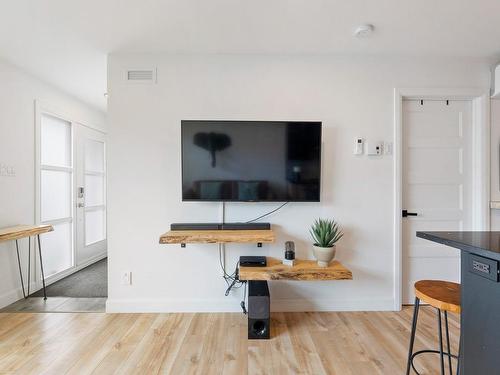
257, 201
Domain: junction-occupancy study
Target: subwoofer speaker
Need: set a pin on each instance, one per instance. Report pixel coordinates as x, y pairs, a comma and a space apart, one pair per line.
259, 310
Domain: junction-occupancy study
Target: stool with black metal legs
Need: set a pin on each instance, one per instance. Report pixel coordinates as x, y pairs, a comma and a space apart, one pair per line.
445, 297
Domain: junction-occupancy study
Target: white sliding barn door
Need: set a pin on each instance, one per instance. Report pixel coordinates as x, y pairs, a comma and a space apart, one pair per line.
437, 173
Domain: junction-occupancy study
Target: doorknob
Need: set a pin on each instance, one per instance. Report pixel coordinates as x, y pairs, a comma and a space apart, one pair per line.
405, 213
80, 205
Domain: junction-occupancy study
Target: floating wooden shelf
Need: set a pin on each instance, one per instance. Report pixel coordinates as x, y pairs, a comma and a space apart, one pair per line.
217, 236
306, 270
21, 231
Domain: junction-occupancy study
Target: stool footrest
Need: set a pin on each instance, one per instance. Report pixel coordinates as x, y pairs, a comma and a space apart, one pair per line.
428, 351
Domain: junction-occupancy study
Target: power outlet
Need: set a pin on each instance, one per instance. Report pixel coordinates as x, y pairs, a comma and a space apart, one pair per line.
127, 278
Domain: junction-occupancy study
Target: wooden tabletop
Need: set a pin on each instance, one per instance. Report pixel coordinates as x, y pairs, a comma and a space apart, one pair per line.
21, 231
306, 270
217, 236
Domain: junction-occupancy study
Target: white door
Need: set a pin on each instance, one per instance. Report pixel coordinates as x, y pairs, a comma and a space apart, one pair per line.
71, 194
437, 186
55, 175
90, 194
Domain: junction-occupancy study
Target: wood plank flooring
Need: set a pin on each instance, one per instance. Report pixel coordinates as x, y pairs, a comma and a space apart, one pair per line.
57, 304
302, 343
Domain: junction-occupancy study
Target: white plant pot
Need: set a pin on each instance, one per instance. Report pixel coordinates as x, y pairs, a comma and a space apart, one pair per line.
324, 255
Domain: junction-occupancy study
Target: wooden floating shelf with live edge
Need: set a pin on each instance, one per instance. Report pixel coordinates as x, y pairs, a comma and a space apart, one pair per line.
217, 236
303, 270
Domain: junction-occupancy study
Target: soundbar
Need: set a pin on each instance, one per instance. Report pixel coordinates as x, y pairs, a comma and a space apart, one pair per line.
220, 226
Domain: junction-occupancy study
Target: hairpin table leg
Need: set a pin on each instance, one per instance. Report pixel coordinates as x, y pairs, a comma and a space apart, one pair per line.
41, 267
29, 267
20, 270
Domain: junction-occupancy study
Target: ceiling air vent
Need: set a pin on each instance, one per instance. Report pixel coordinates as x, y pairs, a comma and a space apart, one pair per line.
141, 75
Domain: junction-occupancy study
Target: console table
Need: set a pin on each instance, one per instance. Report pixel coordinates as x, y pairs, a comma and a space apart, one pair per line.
22, 231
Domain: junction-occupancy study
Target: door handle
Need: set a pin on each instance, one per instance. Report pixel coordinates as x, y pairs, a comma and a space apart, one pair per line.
405, 213
80, 205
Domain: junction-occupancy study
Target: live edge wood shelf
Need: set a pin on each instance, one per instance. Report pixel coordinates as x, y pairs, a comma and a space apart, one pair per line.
303, 270
217, 236
20, 231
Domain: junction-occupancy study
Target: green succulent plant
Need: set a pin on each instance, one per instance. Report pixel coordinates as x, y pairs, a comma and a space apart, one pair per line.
325, 232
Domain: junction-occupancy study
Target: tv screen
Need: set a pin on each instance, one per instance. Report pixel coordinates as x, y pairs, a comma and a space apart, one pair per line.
251, 161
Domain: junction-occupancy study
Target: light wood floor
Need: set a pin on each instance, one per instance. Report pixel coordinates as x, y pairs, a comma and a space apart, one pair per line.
302, 343
57, 304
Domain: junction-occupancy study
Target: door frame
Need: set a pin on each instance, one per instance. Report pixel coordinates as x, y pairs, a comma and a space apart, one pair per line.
480, 99
42, 108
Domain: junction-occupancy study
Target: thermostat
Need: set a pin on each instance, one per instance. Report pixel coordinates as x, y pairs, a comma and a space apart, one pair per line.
358, 146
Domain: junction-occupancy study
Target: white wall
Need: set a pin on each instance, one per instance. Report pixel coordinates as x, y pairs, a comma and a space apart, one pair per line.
495, 161
18, 92
352, 96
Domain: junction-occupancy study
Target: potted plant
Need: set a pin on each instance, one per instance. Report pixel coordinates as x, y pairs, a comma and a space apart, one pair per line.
325, 233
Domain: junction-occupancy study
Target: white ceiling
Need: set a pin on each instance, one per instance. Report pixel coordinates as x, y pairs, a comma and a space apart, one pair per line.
66, 42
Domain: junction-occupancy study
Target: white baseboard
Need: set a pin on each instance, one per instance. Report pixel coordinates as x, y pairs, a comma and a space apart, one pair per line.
282, 305
17, 294
10, 297
302, 304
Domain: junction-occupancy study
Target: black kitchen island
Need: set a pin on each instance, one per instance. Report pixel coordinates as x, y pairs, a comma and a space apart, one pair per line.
480, 298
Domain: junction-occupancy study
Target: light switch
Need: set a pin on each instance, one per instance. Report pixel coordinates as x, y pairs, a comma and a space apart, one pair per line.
7, 170
388, 148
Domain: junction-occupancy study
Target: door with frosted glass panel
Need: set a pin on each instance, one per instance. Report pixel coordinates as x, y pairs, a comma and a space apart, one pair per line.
55, 175
90, 194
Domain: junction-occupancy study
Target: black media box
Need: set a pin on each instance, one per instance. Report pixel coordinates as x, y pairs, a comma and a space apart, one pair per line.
253, 261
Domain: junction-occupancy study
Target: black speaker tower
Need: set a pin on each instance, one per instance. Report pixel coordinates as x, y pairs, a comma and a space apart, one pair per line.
259, 310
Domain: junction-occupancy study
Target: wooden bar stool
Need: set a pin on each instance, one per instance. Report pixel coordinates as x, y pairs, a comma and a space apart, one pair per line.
444, 296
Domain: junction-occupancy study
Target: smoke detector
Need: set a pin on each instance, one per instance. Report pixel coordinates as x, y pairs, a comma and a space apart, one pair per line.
363, 31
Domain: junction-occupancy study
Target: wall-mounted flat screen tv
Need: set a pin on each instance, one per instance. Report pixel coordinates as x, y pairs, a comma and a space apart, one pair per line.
251, 161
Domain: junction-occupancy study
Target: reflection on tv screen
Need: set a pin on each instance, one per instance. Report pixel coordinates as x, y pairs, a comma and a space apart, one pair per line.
251, 161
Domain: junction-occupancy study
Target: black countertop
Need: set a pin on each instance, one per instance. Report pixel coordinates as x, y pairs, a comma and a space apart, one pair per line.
482, 243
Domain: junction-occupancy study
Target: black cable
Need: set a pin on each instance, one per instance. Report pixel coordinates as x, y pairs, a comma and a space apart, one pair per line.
267, 214
228, 290
242, 304
233, 281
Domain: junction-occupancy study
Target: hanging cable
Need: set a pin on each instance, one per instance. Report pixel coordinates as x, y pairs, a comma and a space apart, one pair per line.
267, 214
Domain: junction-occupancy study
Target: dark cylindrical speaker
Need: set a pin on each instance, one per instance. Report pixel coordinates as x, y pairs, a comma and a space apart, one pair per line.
259, 310
289, 250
